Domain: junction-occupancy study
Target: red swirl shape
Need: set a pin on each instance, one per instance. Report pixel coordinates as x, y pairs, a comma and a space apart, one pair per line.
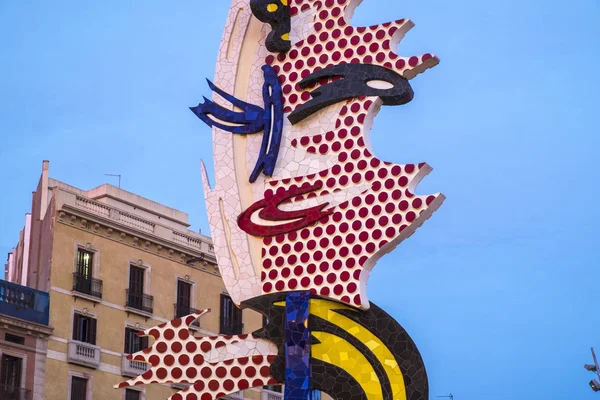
268, 210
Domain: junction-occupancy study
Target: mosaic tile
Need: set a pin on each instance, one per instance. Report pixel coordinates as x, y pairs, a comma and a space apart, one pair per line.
277, 14
301, 208
297, 347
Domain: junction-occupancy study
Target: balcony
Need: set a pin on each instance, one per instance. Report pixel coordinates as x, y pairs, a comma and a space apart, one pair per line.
270, 395
229, 327
139, 303
183, 310
14, 393
24, 303
84, 354
89, 287
132, 368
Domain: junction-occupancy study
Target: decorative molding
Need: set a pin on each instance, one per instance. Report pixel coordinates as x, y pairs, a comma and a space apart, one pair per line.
158, 250
22, 347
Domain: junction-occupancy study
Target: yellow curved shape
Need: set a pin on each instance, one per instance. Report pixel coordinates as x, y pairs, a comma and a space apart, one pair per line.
272, 7
337, 351
327, 310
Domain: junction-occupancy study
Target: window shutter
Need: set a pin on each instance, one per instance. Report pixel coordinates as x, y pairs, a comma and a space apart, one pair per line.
92, 333
76, 327
127, 341
237, 316
144, 342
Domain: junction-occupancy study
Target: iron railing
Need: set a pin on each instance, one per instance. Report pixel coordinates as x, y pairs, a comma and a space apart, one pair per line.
230, 327
14, 393
24, 303
87, 285
182, 310
139, 301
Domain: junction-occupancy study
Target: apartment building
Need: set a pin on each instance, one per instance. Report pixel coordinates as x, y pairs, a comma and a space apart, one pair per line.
115, 263
24, 333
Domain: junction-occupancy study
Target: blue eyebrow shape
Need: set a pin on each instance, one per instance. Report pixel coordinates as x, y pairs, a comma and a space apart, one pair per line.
252, 119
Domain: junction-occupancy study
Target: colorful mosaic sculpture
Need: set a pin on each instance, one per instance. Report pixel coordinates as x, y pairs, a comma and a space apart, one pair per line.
295, 93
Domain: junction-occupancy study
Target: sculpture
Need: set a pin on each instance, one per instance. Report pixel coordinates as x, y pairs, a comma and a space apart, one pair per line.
302, 209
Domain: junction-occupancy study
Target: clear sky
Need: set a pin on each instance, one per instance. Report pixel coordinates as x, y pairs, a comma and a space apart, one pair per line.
499, 289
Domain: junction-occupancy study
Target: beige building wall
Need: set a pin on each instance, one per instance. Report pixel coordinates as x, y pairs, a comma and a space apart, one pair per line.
120, 229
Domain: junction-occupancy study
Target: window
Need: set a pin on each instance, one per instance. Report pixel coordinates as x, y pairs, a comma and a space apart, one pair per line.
231, 317
135, 294
132, 394
133, 342
10, 376
136, 279
84, 329
184, 291
83, 277
14, 339
85, 261
78, 388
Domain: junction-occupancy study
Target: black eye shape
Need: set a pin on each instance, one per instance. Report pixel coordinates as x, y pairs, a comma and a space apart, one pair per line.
276, 14
357, 80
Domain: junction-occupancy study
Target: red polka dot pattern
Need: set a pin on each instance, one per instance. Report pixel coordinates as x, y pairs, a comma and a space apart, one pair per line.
333, 257
189, 363
335, 41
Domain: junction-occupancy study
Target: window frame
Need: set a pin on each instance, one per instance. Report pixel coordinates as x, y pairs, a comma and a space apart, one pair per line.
141, 391
93, 329
129, 328
23, 357
87, 247
235, 312
147, 275
89, 389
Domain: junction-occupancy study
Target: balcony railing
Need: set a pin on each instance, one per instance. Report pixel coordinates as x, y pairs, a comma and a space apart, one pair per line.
87, 285
14, 393
84, 354
132, 368
183, 310
139, 301
24, 303
194, 242
229, 327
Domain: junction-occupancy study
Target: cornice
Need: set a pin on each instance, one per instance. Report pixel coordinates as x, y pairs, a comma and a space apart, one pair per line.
92, 223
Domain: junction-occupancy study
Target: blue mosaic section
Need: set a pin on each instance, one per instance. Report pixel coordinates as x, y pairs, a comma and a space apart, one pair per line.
252, 119
297, 347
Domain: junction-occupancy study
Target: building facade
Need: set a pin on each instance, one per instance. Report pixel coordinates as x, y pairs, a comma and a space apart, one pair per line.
115, 264
24, 333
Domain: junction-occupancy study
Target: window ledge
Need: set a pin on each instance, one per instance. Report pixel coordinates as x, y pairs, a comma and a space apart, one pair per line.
138, 312
86, 296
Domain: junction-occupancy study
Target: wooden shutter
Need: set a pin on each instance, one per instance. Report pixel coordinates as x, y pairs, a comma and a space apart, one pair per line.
236, 316
184, 291
132, 394
78, 388
92, 331
76, 322
225, 311
136, 279
143, 342
127, 349
11, 371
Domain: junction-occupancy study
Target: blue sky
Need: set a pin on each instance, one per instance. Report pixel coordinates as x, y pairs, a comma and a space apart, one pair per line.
498, 289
